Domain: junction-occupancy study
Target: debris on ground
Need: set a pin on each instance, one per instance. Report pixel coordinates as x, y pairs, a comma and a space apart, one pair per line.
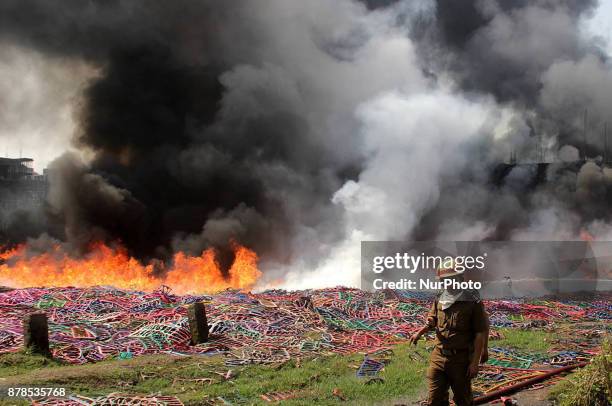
112, 399
279, 396
337, 392
276, 326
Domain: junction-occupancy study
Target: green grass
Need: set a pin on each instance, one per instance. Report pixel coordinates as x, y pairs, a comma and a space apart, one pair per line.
314, 379
20, 362
589, 386
528, 340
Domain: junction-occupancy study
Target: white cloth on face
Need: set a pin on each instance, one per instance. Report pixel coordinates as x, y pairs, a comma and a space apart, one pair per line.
447, 299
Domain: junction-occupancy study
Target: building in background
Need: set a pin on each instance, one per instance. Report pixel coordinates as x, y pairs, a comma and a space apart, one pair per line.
21, 188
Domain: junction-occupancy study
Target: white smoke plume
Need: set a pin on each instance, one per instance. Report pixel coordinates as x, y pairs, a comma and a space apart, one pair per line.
302, 128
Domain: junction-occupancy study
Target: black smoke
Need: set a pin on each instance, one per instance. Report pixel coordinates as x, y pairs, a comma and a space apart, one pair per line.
504, 47
207, 122
532, 57
374, 4
169, 171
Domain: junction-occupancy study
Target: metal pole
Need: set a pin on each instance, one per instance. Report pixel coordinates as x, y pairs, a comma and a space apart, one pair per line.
513, 388
605, 153
584, 135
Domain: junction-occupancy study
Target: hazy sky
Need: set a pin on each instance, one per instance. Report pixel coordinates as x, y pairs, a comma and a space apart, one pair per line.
37, 99
38, 95
601, 23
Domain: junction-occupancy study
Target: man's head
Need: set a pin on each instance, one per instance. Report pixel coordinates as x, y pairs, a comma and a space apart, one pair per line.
448, 271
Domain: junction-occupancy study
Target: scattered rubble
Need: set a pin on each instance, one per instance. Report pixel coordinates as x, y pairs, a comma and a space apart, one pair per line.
273, 327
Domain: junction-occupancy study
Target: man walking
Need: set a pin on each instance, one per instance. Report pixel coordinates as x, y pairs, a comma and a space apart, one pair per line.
462, 328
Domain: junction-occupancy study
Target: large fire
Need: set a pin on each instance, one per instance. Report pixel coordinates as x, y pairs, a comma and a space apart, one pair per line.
106, 265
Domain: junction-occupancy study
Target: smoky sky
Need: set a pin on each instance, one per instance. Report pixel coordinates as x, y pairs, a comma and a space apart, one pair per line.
504, 47
509, 49
298, 128
165, 161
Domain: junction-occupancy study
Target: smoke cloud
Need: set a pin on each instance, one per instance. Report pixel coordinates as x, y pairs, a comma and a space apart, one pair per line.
301, 128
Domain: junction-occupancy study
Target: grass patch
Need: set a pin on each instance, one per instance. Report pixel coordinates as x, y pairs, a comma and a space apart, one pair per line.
315, 380
590, 386
319, 380
528, 340
15, 363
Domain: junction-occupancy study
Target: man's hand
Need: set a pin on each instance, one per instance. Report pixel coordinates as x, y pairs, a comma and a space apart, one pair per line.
479, 352
472, 370
484, 357
416, 336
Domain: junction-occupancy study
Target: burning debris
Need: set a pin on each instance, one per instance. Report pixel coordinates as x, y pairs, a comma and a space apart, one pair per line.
206, 145
112, 266
196, 124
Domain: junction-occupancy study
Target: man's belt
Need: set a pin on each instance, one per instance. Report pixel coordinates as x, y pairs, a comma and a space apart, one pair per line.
449, 352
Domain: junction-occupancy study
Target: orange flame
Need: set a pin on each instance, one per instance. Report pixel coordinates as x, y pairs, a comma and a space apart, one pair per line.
586, 236
105, 265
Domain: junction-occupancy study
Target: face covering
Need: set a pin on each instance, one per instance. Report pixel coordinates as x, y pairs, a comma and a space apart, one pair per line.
447, 299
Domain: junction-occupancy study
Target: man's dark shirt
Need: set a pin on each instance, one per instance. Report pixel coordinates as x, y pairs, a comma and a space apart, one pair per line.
457, 326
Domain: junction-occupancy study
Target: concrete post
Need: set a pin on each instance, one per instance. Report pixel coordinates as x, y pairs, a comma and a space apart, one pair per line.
36, 333
198, 323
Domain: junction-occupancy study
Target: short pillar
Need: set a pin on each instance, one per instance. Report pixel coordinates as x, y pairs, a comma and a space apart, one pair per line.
36, 333
198, 324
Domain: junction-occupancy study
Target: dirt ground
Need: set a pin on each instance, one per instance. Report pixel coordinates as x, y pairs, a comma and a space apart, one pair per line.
536, 397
